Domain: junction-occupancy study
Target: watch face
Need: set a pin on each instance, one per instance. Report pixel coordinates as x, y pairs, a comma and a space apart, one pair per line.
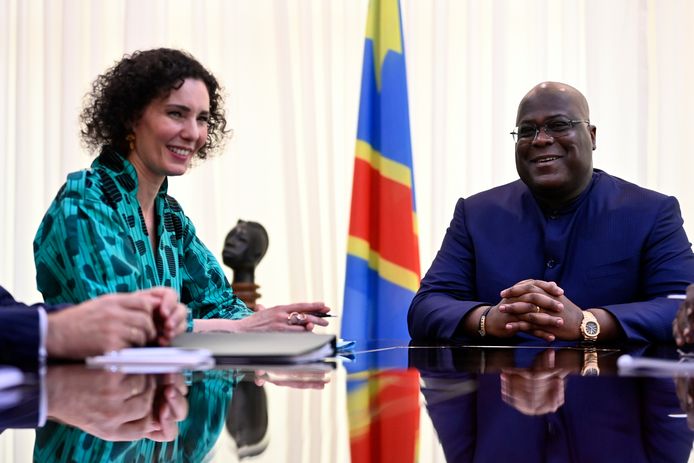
591, 328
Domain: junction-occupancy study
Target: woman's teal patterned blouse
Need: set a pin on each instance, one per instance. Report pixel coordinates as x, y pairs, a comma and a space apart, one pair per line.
93, 240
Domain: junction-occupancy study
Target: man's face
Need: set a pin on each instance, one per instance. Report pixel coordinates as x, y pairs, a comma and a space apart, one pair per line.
555, 168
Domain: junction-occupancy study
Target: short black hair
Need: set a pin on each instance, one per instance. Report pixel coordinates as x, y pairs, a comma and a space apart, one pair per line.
120, 95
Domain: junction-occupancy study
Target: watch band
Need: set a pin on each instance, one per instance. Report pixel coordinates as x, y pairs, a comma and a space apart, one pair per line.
482, 328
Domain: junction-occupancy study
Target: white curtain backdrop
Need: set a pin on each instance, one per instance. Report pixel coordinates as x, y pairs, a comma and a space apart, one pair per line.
291, 71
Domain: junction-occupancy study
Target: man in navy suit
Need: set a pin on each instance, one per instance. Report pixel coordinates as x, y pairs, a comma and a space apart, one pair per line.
106, 323
567, 252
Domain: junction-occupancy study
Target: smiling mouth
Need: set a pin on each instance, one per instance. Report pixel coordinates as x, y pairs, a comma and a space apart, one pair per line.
545, 159
180, 151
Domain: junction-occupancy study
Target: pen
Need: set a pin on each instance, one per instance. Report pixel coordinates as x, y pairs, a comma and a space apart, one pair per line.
321, 314
676, 296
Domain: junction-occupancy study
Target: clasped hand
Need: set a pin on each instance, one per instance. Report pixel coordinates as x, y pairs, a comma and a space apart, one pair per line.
539, 389
117, 406
536, 307
115, 321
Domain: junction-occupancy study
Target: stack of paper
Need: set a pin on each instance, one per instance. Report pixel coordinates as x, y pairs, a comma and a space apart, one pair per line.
261, 348
654, 367
154, 359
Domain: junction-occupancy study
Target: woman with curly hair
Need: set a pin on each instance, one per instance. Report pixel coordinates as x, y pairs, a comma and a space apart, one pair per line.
114, 228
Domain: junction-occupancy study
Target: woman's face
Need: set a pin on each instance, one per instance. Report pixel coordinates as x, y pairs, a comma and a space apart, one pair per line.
171, 131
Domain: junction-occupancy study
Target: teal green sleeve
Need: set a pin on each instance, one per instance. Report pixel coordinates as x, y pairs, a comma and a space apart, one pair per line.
82, 250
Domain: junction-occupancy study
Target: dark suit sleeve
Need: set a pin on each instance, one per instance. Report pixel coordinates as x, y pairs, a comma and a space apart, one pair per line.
24, 413
447, 291
19, 340
667, 267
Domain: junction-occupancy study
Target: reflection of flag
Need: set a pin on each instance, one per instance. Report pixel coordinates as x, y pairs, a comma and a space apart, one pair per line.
383, 409
383, 254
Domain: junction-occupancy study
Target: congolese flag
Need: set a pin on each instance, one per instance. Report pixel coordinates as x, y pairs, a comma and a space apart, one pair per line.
383, 254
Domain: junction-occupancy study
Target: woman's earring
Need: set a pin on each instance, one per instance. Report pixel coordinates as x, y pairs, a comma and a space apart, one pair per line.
131, 141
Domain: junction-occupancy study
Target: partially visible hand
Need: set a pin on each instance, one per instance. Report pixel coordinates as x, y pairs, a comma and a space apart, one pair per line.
116, 406
279, 318
539, 389
298, 378
683, 324
517, 310
103, 324
170, 316
170, 406
685, 393
543, 310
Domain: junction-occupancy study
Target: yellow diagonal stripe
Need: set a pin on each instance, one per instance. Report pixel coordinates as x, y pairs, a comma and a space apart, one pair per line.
361, 405
386, 269
388, 168
383, 28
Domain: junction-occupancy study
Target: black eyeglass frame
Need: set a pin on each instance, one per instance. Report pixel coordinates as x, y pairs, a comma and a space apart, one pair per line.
544, 128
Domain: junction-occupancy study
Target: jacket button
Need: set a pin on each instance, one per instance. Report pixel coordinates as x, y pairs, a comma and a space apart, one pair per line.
551, 263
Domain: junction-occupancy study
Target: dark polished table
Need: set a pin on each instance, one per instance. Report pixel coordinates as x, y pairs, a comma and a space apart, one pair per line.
392, 402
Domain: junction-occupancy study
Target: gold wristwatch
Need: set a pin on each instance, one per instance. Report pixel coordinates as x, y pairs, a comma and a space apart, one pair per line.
590, 328
590, 363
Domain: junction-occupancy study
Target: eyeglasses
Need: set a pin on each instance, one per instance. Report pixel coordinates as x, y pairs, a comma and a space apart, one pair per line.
556, 128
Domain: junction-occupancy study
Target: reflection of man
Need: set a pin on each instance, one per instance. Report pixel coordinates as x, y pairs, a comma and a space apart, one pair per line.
102, 324
566, 252
683, 324
244, 246
599, 419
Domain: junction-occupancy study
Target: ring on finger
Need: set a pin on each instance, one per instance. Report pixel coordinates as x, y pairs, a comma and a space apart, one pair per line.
537, 309
296, 318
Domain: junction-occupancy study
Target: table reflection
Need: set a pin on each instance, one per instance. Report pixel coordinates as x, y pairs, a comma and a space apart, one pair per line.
118, 400
100, 415
395, 403
548, 405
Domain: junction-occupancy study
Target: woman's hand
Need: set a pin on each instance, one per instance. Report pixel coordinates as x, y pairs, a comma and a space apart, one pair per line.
299, 317
291, 317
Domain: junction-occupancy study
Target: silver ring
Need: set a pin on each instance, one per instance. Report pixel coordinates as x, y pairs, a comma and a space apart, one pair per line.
296, 318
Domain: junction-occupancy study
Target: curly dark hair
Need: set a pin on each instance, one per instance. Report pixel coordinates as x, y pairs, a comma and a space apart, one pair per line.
120, 95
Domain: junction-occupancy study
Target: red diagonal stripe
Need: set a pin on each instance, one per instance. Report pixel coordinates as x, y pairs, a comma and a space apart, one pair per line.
382, 215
